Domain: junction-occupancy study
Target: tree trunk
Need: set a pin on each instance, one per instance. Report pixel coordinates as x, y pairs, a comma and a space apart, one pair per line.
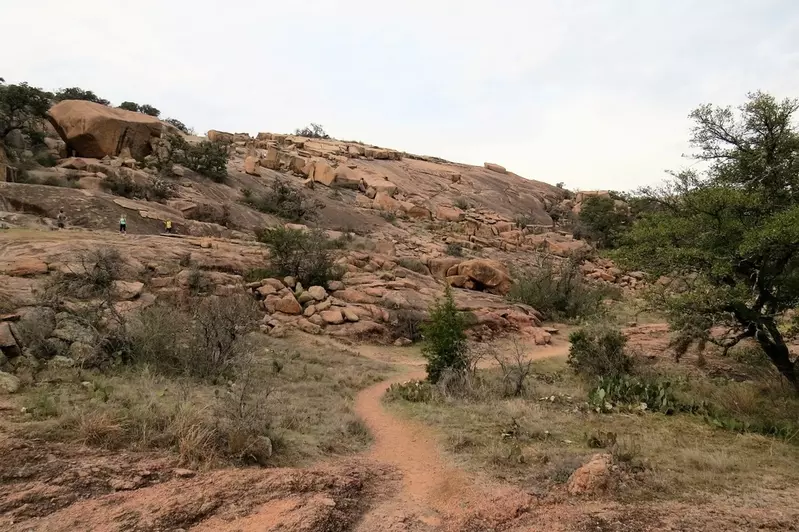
779, 355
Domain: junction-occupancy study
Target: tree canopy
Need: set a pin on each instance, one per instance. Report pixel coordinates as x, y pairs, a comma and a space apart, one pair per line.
21, 106
136, 108
730, 230
76, 93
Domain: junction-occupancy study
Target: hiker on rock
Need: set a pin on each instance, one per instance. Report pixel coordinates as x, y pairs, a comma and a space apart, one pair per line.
61, 218
168, 226
123, 225
362, 186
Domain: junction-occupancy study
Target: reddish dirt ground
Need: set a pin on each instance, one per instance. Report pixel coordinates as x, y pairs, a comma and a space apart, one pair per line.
401, 484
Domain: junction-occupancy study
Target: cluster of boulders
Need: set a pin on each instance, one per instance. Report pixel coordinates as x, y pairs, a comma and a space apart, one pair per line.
62, 341
487, 229
605, 270
575, 204
287, 303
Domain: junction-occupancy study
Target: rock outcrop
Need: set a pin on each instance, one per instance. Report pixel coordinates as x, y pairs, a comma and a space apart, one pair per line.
592, 476
94, 130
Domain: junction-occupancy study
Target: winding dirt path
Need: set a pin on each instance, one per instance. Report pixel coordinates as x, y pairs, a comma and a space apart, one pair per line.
433, 494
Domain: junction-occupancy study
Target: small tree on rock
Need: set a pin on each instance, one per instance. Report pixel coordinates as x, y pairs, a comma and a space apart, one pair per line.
183, 128
149, 110
76, 93
129, 106
445, 345
314, 131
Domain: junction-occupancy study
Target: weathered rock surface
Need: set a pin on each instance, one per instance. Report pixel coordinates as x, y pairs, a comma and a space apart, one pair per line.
95, 130
491, 274
592, 476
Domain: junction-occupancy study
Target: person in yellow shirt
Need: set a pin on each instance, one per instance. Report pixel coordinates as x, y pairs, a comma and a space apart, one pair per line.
168, 226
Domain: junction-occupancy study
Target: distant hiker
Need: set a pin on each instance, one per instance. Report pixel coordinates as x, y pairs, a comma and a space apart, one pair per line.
61, 218
123, 225
168, 226
362, 186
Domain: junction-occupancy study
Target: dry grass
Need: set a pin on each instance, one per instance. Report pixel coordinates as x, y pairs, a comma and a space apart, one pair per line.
538, 440
296, 394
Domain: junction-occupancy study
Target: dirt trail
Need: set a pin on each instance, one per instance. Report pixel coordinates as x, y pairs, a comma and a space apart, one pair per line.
434, 495
401, 484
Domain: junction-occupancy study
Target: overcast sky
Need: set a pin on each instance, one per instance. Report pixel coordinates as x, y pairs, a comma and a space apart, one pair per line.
594, 93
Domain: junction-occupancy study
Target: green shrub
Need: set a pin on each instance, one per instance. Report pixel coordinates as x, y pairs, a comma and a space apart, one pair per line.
618, 391
558, 292
257, 274
94, 275
304, 255
462, 203
76, 93
282, 200
412, 391
47, 159
599, 351
388, 216
210, 214
413, 264
204, 343
208, 159
122, 185
179, 125
445, 346
314, 131
454, 249
602, 222
159, 190
407, 323
129, 106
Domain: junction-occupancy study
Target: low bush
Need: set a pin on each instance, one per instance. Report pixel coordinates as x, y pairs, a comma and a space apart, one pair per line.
407, 323
282, 200
206, 158
305, 255
92, 277
454, 249
412, 391
617, 392
205, 343
314, 131
558, 291
388, 216
445, 346
599, 351
180, 126
462, 203
211, 214
46, 159
413, 264
122, 186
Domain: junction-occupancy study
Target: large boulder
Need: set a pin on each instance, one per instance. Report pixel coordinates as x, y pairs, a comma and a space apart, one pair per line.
8, 383
449, 214
288, 304
8, 340
490, 274
220, 136
251, 165
384, 202
126, 290
440, 265
495, 168
95, 130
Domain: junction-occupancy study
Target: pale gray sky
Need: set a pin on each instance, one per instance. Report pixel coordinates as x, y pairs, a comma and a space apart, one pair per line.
594, 93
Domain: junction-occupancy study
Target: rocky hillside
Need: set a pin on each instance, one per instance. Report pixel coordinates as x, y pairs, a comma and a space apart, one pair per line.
407, 224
